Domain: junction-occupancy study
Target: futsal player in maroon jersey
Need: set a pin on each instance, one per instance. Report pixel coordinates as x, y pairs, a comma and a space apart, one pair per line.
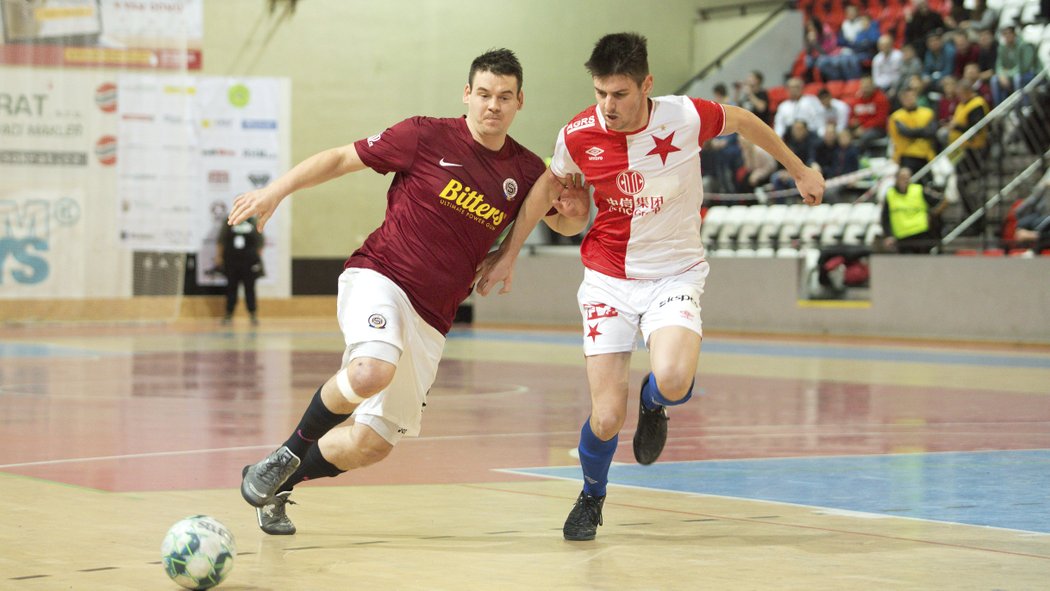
458, 183
644, 264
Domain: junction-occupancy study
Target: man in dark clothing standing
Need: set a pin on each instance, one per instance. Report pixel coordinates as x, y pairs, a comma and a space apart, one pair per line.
239, 255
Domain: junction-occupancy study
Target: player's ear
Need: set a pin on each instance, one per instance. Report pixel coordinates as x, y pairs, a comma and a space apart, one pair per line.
521, 100
466, 94
647, 84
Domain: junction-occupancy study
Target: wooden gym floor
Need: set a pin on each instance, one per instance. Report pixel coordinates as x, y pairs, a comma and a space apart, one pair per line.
802, 463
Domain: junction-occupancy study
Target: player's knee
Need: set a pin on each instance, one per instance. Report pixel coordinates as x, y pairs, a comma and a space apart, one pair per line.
369, 377
370, 450
606, 423
674, 385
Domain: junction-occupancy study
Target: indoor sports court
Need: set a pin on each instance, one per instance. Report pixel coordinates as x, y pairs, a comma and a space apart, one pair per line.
804, 463
861, 420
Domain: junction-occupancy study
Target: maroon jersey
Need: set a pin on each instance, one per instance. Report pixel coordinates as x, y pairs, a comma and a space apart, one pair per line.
450, 199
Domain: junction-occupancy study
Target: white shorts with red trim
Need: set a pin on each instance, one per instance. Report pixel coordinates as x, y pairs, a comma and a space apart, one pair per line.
614, 310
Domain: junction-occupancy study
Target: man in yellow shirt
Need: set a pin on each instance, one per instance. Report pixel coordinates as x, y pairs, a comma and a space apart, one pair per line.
913, 130
910, 216
970, 158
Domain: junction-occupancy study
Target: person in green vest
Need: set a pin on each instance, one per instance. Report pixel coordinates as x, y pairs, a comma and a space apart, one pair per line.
910, 216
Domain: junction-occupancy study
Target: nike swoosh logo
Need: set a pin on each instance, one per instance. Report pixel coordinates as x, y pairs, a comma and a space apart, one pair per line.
448, 164
254, 490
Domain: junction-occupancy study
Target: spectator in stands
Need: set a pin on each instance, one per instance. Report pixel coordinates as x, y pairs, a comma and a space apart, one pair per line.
921, 23
802, 142
720, 155
981, 18
987, 51
870, 111
857, 41
947, 102
972, 76
1016, 64
749, 94
1033, 219
972, 155
965, 52
922, 97
910, 216
820, 41
833, 112
886, 67
939, 60
910, 67
797, 106
913, 132
835, 156
758, 166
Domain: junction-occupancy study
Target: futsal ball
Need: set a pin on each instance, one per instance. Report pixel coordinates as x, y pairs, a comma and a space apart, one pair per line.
198, 552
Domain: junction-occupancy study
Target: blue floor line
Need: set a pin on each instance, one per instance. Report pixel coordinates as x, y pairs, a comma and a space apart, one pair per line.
1005, 489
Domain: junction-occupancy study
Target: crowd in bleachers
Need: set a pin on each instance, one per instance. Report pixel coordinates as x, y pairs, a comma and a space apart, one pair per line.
876, 79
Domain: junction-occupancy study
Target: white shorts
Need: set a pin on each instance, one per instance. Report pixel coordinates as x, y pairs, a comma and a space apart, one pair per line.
614, 310
372, 308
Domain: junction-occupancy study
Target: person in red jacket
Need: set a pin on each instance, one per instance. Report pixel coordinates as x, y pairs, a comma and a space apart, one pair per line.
869, 111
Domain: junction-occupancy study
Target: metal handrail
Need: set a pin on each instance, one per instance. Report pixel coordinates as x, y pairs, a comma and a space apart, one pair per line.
717, 62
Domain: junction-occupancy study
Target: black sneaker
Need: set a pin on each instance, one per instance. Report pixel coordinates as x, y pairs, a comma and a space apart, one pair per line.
651, 434
260, 481
583, 521
272, 516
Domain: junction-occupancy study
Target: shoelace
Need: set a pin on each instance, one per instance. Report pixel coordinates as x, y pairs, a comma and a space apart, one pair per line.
276, 508
270, 470
592, 508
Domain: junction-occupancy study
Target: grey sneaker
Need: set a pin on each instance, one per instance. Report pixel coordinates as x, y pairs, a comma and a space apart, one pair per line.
260, 481
272, 517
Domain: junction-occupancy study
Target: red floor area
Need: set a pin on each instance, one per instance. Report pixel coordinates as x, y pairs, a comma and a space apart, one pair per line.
188, 420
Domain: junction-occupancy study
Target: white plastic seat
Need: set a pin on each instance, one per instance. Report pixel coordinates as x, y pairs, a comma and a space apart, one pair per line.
750, 225
767, 233
835, 224
765, 252
791, 225
813, 225
731, 226
712, 222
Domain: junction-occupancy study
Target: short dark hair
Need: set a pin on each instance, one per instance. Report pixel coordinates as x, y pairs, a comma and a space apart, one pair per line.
720, 89
758, 76
501, 62
620, 54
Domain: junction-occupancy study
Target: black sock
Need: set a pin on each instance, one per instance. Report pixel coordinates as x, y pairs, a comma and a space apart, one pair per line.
316, 421
313, 466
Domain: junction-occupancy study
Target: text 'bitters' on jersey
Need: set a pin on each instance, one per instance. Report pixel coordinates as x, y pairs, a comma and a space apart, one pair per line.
471, 204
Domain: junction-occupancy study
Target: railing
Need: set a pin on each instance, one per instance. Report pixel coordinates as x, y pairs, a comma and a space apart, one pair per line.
716, 63
1025, 110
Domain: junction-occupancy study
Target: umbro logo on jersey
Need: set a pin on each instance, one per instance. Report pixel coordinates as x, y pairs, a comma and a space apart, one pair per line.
448, 164
595, 153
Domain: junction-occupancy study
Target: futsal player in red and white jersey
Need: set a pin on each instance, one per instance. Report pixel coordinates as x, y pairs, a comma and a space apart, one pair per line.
458, 183
645, 266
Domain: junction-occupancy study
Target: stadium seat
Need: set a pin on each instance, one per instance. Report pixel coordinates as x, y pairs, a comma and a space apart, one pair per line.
777, 95
813, 224
767, 234
861, 215
835, 224
749, 226
712, 222
731, 226
791, 226
766, 252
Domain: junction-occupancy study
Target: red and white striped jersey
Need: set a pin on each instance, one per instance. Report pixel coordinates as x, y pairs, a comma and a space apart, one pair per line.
647, 186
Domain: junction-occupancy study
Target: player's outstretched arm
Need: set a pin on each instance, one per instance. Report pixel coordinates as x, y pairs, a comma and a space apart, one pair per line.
809, 181
499, 266
317, 169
